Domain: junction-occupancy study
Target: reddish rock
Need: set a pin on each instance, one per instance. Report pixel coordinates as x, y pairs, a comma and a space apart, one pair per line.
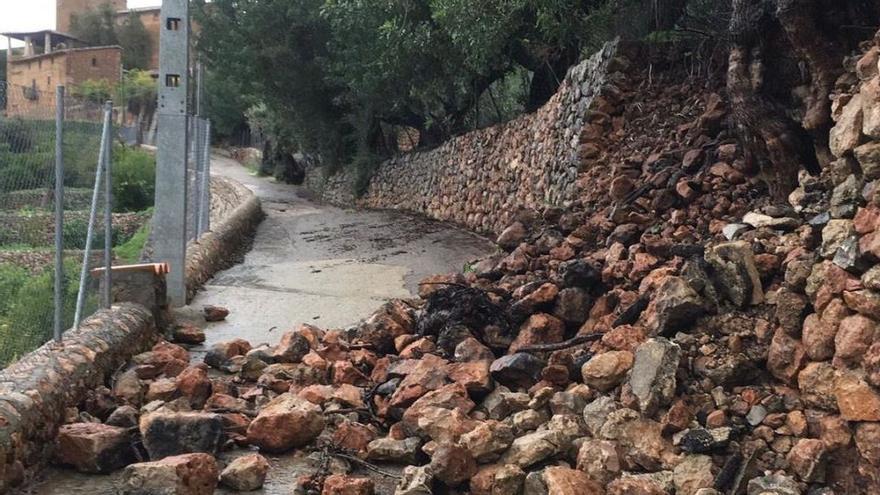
606, 371
353, 436
856, 400
344, 372
867, 437
635, 486
871, 363
291, 348
185, 333
167, 433
866, 302
453, 465
855, 336
286, 422
600, 459
418, 348
420, 377
473, 375
624, 338
219, 354
566, 481
245, 473
818, 338
677, 418
340, 484
807, 460
215, 313
433, 283
816, 383
512, 236
539, 329
786, 356
187, 474
93, 447
193, 383
470, 349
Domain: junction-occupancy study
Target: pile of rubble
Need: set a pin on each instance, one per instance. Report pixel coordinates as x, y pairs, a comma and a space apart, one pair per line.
672, 332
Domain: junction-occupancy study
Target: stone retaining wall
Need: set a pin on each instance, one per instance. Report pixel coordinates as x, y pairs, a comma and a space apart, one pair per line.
481, 179
36, 390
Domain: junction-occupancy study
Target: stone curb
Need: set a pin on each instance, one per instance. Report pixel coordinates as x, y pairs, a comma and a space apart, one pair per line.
218, 248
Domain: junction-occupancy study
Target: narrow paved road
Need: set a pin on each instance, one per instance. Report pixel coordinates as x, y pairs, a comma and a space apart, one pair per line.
310, 263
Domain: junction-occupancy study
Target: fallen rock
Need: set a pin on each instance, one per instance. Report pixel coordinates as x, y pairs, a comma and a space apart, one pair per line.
93, 447
185, 333
245, 473
774, 484
693, 473
172, 433
341, 484
856, 400
406, 451
520, 370
674, 308
220, 354
187, 474
416, 480
607, 370
652, 379
286, 422
291, 349
215, 313
737, 276
807, 460
452, 465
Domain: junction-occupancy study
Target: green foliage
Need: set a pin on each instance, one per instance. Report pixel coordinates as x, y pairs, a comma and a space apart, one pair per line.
96, 27
134, 179
94, 90
135, 42
226, 105
27, 309
130, 251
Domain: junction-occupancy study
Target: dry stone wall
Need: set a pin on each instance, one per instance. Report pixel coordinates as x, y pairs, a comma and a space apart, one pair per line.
481, 179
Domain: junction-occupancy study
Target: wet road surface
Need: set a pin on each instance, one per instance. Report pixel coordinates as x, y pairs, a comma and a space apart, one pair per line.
310, 263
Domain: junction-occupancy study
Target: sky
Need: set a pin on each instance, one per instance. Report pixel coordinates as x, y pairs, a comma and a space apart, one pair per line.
33, 15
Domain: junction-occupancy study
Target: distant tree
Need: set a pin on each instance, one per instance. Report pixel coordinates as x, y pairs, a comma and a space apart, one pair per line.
225, 105
96, 27
135, 42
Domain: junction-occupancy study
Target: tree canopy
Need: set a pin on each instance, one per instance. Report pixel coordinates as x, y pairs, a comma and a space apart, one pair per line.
338, 74
98, 27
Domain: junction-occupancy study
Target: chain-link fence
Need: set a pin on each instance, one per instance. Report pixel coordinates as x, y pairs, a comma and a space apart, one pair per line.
31, 243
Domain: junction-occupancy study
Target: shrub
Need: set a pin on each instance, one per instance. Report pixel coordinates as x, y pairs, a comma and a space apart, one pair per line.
134, 179
75, 233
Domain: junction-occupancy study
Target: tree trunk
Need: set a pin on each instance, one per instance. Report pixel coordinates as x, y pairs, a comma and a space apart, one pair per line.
772, 142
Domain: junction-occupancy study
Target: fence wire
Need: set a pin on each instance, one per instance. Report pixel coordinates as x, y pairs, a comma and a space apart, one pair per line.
27, 214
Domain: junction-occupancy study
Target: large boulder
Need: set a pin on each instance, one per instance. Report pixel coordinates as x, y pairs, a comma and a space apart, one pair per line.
736, 274
675, 307
166, 433
245, 473
286, 422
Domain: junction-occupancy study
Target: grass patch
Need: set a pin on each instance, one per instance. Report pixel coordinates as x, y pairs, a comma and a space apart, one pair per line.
130, 251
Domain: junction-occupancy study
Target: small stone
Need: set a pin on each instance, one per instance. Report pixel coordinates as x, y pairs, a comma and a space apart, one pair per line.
600, 459
215, 313
756, 415
93, 447
291, 348
219, 354
560, 480
341, 484
737, 275
416, 480
453, 465
245, 473
732, 230
517, 370
786, 356
397, 451
652, 379
692, 473
488, 440
774, 484
856, 400
607, 370
188, 334
758, 220
807, 460
674, 308
187, 474
512, 236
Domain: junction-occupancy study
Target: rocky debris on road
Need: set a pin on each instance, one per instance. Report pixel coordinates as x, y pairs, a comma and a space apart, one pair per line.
246, 473
671, 331
215, 313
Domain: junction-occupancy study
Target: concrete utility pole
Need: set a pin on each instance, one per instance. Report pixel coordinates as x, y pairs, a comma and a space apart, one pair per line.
169, 220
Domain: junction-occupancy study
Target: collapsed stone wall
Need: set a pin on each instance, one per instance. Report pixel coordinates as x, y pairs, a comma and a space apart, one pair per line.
481, 179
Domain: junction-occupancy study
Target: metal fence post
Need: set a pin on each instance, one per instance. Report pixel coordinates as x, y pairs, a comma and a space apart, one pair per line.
90, 232
58, 298
204, 219
106, 295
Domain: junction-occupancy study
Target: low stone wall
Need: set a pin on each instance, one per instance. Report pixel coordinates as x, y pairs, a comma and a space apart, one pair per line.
36, 390
228, 238
481, 179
